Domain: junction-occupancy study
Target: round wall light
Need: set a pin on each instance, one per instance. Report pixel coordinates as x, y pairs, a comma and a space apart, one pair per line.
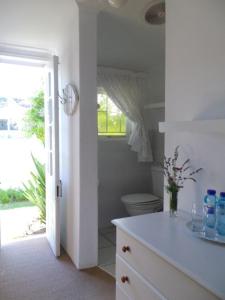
156, 12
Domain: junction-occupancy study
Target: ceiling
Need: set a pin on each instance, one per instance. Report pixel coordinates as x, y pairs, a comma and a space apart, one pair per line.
125, 44
124, 40
34, 23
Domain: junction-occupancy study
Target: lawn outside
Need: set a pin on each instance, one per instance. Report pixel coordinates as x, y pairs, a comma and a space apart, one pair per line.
14, 205
20, 222
19, 219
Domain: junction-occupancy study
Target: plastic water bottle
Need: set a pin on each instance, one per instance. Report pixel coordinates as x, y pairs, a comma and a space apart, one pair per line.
209, 220
220, 215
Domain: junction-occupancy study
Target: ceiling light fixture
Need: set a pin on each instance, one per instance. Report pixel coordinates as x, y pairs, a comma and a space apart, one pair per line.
117, 3
156, 12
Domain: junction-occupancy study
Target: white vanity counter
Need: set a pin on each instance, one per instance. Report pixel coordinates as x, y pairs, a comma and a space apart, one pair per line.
169, 238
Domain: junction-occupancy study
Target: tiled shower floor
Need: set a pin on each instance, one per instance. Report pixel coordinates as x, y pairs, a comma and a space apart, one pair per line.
107, 249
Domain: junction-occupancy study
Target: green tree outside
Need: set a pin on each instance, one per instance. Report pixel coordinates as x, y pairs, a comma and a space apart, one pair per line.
111, 121
34, 124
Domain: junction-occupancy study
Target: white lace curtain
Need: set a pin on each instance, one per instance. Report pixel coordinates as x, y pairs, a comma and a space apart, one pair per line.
126, 90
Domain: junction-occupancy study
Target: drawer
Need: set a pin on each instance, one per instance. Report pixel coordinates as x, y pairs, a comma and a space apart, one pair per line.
120, 295
168, 280
135, 286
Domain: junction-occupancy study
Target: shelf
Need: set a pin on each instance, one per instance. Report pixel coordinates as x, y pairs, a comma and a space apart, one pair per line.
155, 105
200, 126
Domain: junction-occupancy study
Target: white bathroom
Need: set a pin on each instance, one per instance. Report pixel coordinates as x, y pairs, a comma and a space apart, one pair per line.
130, 180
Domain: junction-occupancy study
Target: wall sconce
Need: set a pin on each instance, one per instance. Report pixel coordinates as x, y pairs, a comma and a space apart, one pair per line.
69, 99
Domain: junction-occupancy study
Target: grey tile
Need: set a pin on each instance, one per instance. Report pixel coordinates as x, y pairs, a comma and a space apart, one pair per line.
107, 229
107, 256
103, 242
110, 269
111, 236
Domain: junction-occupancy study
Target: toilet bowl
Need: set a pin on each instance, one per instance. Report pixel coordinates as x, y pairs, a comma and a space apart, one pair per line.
143, 203
139, 204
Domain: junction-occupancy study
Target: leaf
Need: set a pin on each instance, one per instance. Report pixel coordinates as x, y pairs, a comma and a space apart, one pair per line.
185, 169
190, 178
176, 153
195, 172
34, 189
186, 161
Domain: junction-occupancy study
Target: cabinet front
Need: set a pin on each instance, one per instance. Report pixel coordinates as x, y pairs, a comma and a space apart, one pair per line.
165, 278
133, 284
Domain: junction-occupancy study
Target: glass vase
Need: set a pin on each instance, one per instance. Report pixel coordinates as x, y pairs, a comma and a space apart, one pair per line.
173, 203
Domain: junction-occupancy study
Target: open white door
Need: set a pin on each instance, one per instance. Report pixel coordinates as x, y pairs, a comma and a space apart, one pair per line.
52, 157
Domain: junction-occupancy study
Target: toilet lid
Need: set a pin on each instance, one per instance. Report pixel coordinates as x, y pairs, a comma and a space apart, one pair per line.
138, 198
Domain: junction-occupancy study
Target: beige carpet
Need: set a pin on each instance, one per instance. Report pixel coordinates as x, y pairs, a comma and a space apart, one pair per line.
29, 271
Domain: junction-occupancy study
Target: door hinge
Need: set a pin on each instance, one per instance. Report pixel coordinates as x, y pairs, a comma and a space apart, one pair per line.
59, 189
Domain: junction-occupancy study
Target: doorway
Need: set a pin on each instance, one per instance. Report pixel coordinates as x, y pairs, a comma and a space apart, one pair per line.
22, 155
134, 66
30, 157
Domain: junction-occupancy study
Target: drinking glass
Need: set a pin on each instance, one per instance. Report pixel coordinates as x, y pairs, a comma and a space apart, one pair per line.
197, 217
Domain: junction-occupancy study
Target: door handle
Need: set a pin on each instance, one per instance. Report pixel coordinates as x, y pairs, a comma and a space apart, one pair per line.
59, 189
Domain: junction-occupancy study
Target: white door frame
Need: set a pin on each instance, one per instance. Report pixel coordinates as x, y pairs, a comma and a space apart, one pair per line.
24, 55
52, 156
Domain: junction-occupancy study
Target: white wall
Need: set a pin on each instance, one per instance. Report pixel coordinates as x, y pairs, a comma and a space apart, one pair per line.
79, 142
152, 118
119, 174
88, 202
195, 89
38, 24
69, 130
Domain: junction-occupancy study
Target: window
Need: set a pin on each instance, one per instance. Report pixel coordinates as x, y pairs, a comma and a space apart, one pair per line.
3, 124
8, 125
111, 121
13, 125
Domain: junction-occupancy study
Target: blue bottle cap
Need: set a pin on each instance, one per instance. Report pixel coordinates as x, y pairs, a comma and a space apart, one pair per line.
211, 192
222, 194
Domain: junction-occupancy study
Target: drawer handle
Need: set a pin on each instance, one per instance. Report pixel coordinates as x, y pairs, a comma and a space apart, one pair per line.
125, 249
124, 279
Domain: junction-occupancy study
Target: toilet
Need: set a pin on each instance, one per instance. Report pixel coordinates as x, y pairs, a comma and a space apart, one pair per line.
142, 203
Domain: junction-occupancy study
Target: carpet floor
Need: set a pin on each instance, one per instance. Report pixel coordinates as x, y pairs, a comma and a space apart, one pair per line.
29, 271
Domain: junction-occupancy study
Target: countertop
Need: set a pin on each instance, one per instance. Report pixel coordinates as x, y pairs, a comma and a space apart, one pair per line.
170, 238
